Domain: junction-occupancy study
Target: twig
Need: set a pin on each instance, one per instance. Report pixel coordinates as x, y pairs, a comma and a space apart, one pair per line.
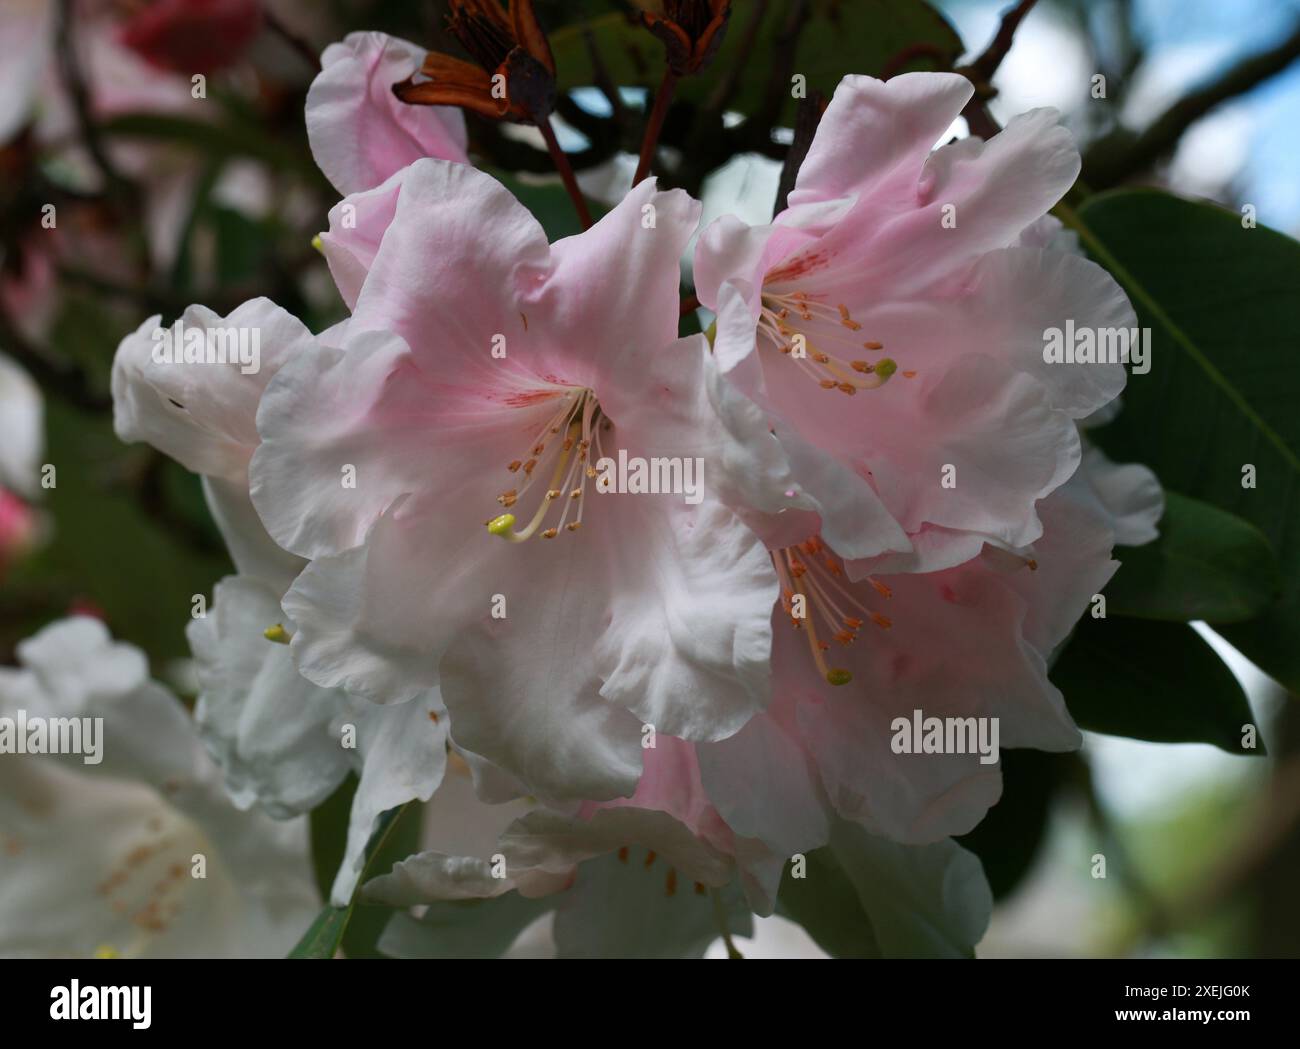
806, 119
304, 49
983, 68
980, 72
895, 63
566, 172
1116, 157
663, 97
70, 66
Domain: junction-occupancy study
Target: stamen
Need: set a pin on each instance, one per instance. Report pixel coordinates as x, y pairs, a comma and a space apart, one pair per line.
829, 371
580, 420
812, 571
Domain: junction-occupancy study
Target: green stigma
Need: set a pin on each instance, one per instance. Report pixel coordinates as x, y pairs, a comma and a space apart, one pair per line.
886, 366
838, 677
276, 634
318, 244
502, 525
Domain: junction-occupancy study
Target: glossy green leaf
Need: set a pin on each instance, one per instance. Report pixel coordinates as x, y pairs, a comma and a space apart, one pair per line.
1207, 564
1150, 680
1216, 412
326, 934
865, 897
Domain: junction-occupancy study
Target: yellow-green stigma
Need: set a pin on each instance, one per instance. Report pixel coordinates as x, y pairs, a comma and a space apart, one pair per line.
814, 588
562, 451
277, 634
501, 525
822, 340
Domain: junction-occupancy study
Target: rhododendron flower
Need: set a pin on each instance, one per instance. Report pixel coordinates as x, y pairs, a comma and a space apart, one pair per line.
26, 45
18, 530
890, 324
513, 72
101, 857
439, 472
22, 429
360, 133
277, 737
970, 641
649, 870
192, 36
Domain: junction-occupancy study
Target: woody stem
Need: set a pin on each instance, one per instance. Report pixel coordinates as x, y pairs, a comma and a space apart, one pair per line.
566, 172
663, 97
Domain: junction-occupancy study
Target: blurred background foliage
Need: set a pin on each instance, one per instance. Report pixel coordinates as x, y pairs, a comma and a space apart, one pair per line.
1201, 843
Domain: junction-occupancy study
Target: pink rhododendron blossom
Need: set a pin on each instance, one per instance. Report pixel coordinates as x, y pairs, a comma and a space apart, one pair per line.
440, 466
970, 641
192, 36
890, 324
649, 875
276, 735
360, 133
18, 529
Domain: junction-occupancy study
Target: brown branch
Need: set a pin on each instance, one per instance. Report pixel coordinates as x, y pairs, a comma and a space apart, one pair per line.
980, 72
983, 68
896, 62
806, 119
566, 172
297, 43
663, 98
1117, 157
79, 93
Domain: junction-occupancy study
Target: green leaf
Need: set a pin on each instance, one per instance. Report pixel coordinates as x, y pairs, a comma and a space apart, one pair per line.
1223, 306
837, 38
1150, 680
1207, 564
865, 897
1009, 838
326, 934
329, 834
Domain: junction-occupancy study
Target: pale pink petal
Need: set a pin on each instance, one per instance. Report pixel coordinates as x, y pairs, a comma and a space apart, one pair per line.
360, 133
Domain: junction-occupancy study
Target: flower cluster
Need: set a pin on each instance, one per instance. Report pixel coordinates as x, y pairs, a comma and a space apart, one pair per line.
464, 536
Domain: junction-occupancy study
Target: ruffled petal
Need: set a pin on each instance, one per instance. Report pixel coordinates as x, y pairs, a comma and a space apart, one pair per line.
360, 133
